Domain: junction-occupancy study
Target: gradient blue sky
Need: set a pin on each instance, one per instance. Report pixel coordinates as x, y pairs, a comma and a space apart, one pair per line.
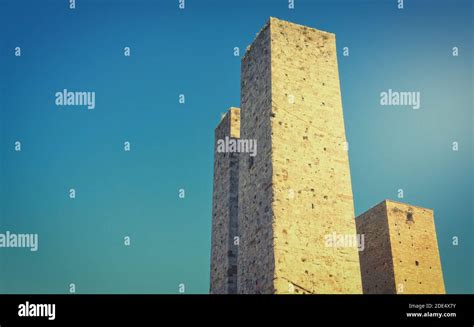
191, 51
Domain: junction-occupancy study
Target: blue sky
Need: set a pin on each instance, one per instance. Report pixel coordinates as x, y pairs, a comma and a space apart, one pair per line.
190, 52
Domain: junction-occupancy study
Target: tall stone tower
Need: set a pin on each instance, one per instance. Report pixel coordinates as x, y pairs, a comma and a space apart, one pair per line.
297, 190
401, 251
224, 208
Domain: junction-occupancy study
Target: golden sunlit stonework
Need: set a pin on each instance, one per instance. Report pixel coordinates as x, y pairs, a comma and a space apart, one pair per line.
401, 253
273, 213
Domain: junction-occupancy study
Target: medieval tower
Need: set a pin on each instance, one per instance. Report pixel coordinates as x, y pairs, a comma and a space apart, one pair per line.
274, 212
297, 189
224, 210
401, 253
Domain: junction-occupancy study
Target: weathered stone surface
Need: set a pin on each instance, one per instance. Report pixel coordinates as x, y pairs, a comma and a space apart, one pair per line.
298, 188
376, 258
401, 251
255, 263
224, 209
284, 202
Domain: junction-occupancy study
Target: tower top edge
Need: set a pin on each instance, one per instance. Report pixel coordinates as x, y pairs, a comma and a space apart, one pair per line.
274, 20
406, 204
230, 112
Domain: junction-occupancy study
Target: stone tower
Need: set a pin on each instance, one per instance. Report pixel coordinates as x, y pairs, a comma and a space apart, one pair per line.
297, 190
224, 208
401, 251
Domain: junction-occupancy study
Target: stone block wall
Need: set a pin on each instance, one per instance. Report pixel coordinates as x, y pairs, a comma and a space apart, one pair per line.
298, 188
224, 209
256, 255
311, 182
402, 237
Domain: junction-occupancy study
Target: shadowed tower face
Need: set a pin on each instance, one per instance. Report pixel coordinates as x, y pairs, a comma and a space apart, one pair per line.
224, 208
401, 251
297, 191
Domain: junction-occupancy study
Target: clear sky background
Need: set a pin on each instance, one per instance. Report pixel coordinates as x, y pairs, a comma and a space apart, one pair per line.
191, 52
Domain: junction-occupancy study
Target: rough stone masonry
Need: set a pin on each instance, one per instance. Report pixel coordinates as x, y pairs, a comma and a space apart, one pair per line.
273, 212
402, 254
224, 210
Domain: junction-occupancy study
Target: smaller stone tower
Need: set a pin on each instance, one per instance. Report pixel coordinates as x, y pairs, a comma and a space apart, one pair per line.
224, 208
401, 251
